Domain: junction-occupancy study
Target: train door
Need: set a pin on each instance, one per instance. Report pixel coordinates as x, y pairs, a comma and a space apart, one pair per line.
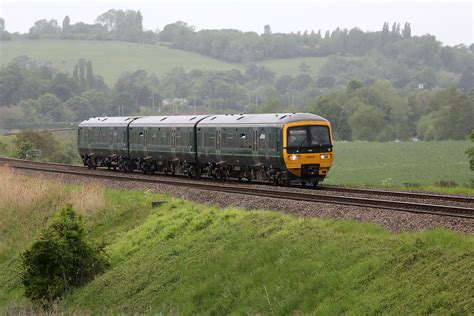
218, 144
173, 142
255, 146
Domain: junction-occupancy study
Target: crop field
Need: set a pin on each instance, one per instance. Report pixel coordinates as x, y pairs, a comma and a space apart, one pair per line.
189, 258
111, 58
400, 163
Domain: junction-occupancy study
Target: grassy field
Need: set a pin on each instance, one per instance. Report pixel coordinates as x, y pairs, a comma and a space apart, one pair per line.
411, 165
400, 164
187, 258
110, 58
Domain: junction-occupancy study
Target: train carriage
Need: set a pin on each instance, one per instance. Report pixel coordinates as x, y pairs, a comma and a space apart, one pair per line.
281, 148
164, 143
103, 141
239, 145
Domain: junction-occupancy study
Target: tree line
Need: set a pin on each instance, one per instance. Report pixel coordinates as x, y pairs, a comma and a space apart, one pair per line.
392, 53
34, 93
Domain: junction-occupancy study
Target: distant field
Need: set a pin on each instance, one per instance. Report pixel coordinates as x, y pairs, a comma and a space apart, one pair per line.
110, 58
393, 164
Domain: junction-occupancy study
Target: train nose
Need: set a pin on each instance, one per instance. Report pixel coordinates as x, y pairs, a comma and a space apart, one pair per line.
309, 170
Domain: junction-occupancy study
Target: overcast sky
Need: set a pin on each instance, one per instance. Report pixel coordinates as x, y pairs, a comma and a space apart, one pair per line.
450, 21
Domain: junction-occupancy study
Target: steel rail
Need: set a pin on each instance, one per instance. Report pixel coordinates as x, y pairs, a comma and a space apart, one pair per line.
422, 208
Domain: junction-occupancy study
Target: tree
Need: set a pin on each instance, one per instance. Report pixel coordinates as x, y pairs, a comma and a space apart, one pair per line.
82, 73
470, 153
326, 81
466, 82
63, 86
453, 114
354, 85
406, 33
122, 25
139, 85
60, 259
80, 106
329, 108
50, 106
66, 31
125, 104
66, 23
44, 29
90, 76
366, 123
139, 21
171, 32
267, 30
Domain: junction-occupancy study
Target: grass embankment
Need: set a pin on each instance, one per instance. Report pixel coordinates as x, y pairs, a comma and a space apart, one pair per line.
415, 165
111, 58
189, 258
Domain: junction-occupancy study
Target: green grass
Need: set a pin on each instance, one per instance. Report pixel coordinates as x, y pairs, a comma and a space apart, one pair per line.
110, 58
188, 258
401, 164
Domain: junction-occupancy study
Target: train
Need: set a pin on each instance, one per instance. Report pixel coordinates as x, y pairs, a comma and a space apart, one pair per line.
281, 148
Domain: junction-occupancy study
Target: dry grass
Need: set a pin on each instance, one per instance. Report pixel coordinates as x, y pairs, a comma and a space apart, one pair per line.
88, 199
27, 203
18, 192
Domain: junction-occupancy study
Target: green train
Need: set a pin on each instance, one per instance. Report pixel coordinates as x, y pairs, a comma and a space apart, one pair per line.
280, 148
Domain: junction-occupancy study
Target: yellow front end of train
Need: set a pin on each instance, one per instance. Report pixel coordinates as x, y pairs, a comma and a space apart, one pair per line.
307, 150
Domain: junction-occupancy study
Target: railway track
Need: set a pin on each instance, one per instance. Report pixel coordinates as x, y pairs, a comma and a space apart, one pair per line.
300, 195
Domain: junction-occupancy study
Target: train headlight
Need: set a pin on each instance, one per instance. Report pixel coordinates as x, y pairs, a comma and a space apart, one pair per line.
324, 156
295, 157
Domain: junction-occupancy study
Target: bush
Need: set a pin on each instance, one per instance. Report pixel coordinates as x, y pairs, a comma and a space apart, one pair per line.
60, 259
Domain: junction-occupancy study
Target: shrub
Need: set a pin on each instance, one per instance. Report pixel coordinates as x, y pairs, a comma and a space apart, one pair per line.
60, 259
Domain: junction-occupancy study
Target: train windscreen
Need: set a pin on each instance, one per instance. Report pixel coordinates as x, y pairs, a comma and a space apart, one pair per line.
308, 136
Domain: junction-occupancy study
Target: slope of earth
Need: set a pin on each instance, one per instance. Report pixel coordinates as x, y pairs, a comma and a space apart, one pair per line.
111, 58
189, 258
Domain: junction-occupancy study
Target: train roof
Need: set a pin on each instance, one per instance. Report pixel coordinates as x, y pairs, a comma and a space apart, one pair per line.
108, 121
263, 119
204, 120
174, 120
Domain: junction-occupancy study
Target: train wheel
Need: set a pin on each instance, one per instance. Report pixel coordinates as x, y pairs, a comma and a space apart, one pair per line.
90, 164
173, 169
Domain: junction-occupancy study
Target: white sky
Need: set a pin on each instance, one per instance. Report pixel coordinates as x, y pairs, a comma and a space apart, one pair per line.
450, 21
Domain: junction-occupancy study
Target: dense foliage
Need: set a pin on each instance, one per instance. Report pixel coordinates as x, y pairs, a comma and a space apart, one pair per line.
382, 86
60, 259
391, 53
470, 152
44, 146
371, 111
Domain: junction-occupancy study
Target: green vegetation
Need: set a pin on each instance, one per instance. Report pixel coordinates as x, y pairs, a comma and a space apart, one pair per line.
60, 259
41, 145
399, 164
189, 258
110, 58
470, 153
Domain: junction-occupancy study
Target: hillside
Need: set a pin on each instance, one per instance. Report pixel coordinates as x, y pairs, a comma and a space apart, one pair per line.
111, 58
189, 258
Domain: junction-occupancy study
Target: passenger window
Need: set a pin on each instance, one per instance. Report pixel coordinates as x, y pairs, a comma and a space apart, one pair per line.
261, 141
